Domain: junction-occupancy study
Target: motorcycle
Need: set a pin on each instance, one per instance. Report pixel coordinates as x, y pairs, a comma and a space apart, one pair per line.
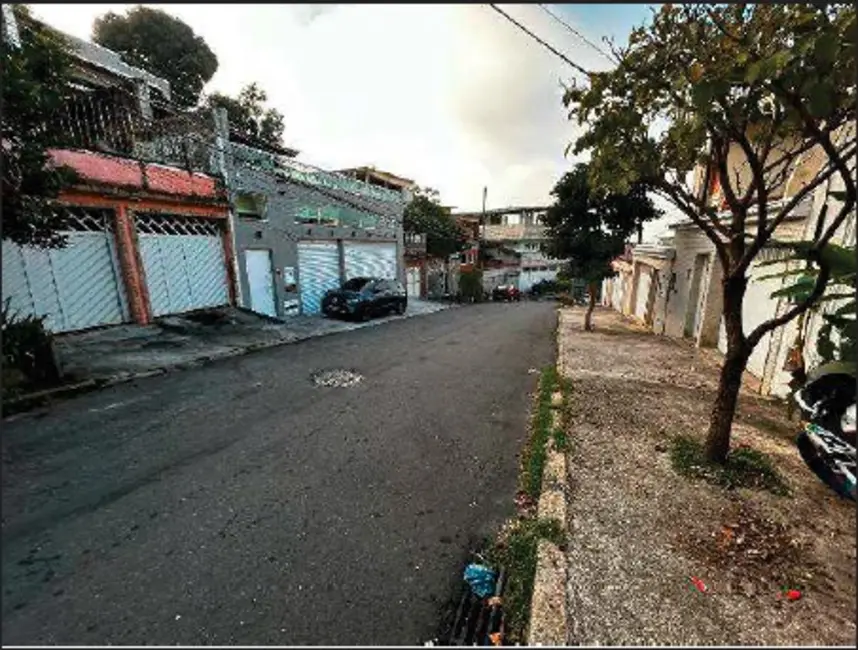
827, 443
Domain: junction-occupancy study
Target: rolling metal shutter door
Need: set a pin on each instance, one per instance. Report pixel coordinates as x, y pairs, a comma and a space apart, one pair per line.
370, 260
642, 297
75, 287
318, 271
184, 263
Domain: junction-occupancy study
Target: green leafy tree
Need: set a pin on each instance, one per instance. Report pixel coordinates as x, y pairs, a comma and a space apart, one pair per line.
35, 86
248, 116
591, 229
424, 214
161, 44
778, 81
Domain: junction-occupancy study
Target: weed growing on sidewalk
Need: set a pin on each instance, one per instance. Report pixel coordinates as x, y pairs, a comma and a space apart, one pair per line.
745, 467
516, 550
542, 430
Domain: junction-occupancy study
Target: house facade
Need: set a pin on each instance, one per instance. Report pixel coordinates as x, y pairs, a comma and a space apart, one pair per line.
143, 239
300, 230
511, 246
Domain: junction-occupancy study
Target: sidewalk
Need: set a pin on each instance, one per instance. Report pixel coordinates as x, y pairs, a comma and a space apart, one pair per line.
115, 354
638, 531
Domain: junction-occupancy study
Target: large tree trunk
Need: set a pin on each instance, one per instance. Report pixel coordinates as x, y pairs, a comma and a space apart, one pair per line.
738, 351
592, 288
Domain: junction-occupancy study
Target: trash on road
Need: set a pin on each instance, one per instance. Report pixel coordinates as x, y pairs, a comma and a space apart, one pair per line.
701, 587
790, 594
481, 580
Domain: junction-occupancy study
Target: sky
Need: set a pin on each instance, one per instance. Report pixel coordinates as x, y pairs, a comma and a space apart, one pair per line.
453, 96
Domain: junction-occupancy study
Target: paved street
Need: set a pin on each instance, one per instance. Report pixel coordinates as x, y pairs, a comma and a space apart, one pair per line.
240, 503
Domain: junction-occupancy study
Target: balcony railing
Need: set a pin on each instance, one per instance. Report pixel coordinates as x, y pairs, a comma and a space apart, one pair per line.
514, 232
108, 120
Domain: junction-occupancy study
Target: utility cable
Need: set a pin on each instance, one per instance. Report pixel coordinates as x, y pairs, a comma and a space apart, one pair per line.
540, 41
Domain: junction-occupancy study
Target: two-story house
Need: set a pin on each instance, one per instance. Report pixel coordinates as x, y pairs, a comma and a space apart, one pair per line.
511, 246
144, 239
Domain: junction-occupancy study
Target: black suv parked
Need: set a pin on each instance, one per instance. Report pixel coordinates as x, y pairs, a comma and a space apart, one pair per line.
363, 298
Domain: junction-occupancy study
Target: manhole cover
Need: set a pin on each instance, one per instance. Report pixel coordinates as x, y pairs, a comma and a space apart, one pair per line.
336, 378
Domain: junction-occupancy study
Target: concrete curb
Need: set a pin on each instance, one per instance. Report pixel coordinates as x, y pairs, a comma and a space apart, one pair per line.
549, 612
28, 402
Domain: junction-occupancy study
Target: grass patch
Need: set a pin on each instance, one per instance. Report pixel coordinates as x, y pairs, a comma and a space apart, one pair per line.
745, 467
535, 452
515, 550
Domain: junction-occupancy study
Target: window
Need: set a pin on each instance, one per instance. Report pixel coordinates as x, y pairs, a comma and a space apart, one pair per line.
355, 284
250, 206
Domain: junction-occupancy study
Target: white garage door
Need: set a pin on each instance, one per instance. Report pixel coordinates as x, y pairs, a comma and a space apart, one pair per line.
370, 260
757, 307
642, 296
318, 271
75, 287
184, 263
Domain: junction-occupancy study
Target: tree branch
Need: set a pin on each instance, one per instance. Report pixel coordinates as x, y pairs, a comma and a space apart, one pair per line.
758, 242
818, 289
676, 197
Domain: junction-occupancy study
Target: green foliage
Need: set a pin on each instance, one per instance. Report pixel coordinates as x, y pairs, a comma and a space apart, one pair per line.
837, 339
535, 452
28, 359
591, 229
162, 44
744, 467
716, 73
471, 285
516, 551
425, 215
248, 116
35, 86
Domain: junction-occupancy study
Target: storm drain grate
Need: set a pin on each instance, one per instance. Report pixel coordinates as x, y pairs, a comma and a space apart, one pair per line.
336, 378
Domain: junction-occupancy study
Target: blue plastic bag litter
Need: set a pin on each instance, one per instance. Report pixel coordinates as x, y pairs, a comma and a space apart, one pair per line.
481, 580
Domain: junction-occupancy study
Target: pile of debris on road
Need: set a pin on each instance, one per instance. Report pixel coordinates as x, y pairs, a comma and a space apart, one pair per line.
479, 617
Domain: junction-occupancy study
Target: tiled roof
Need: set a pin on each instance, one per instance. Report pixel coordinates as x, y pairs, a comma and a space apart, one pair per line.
123, 172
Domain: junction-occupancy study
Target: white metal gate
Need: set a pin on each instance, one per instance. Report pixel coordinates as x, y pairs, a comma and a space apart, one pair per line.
642, 295
318, 271
75, 287
370, 260
413, 281
184, 263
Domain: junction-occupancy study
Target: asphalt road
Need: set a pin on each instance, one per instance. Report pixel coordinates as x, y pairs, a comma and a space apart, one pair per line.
239, 503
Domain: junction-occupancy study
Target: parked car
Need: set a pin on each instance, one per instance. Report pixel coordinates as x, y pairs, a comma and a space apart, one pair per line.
363, 298
507, 292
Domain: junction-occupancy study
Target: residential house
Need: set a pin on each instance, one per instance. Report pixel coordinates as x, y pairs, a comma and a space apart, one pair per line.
511, 246
144, 239
301, 230
684, 290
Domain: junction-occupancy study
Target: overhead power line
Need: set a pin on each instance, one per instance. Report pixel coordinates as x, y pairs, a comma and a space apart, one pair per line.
577, 33
540, 41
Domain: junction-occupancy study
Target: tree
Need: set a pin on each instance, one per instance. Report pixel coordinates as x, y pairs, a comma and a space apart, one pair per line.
591, 229
35, 87
776, 81
167, 47
248, 116
425, 215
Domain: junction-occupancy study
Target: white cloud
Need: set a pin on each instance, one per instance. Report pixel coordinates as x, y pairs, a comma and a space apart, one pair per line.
453, 96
